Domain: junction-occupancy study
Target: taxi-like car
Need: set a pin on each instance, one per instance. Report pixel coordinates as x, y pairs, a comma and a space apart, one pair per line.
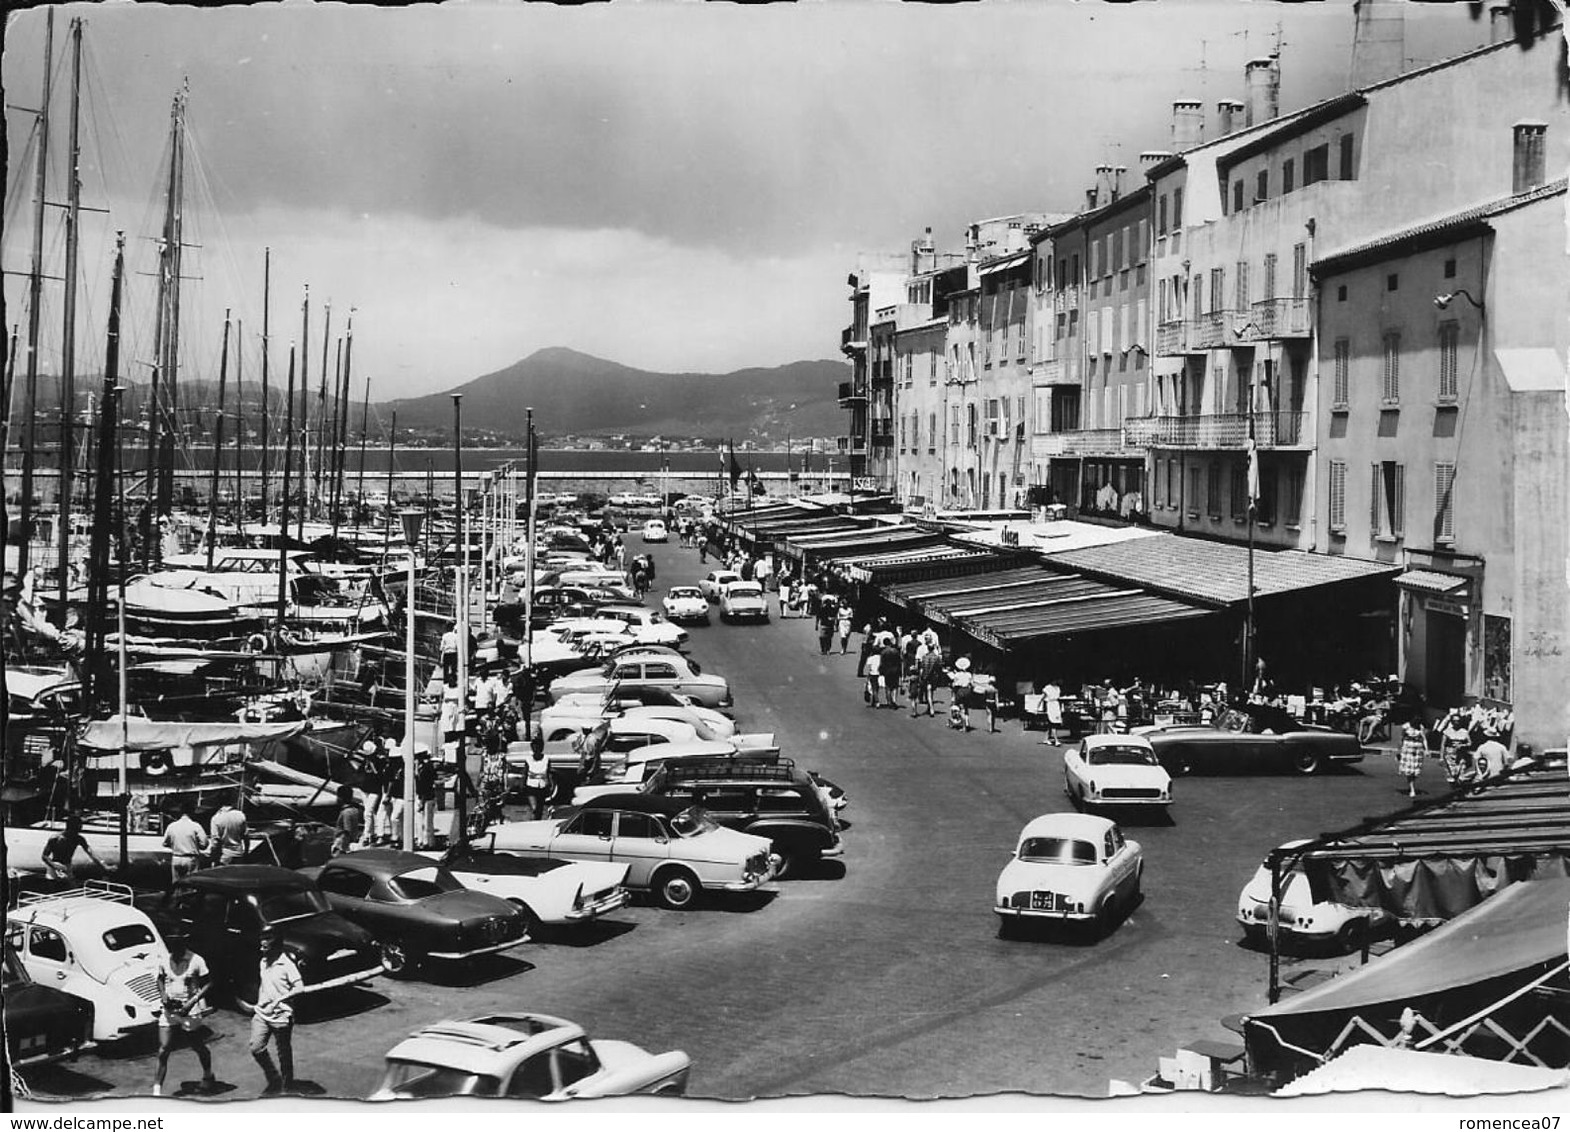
1069, 867
743, 601
686, 603
675, 850
527, 1057
1115, 771
92, 942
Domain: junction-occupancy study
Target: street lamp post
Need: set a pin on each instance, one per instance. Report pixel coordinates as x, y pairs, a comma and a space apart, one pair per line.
412, 521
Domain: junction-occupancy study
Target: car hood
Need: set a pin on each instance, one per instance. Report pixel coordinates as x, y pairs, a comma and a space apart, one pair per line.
1071, 880
318, 936
720, 845
465, 905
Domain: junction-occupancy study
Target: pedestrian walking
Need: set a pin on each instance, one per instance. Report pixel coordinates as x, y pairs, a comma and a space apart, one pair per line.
889, 668
1052, 706
844, 624
392, 793
449, 653
536, 776
186, 841
61, 848
960, 682
350, 826
523, 690
929, 664
984, 689
425, 801
785, 597
1455, 747
873, 683
272, 1023
1410, 755
230, 838
183, 981
826, 616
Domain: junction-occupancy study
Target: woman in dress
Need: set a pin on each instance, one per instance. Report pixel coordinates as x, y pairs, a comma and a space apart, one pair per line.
1409, 759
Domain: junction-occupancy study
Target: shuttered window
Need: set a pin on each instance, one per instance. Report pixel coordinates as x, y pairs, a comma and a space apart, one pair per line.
1391, 393
1338, 388
1270, 277
1218, 282
1387, 500
1213, 489
1338, 496
1449, 335
1444, 502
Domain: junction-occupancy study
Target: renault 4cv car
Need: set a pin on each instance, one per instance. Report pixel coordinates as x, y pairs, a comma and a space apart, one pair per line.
525, 1056
1069, 867
222, 912
416, 908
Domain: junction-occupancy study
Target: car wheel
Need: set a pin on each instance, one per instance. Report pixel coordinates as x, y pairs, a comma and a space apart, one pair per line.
1136, 893
1305, 762
1255, 935
676, 888
1008, 927
1351, 935
1104, 917
531, 921
395, 957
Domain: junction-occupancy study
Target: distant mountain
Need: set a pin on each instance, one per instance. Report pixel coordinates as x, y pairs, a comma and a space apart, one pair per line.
576, 393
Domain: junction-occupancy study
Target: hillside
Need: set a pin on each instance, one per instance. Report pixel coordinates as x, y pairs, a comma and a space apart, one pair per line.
573, 392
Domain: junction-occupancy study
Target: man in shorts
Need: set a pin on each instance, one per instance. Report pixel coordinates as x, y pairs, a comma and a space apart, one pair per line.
183, 980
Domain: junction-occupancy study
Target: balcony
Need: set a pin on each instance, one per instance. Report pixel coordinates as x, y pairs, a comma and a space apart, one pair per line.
1215, 330
1079, 442
1278, 318
1284, 429
854, 444
1172, 339
849, 341
1057, 373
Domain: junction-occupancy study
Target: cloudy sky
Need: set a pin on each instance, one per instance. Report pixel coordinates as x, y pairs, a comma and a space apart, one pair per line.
674, 186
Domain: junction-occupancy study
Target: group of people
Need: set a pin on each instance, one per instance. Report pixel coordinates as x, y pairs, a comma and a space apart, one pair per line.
1471, 748
379, 821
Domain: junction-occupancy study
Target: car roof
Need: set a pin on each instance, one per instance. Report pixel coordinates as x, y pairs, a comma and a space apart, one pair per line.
1093, 741
490, 1044
245, 878
1087, 827
638, 803
380, 863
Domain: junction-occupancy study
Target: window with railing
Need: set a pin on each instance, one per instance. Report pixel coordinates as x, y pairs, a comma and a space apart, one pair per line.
1270, 277
1338, 496
1387, 501
1449, 337
1338, 383
1444, 502
1390, 391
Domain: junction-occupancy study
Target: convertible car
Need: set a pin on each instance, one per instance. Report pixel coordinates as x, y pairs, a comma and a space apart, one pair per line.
527, 1056
1260, 738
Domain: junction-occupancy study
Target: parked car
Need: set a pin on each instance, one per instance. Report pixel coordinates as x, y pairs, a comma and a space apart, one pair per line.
611, 739
547, 890
1115, 770
743, 601
42, 1024
715, 580
671, 673
675, 851
222, 911
416, 908
767, 797
686, 603
639, 765
648, 626
525, 1056
1261, 738
572, 714
94, 943
654, 531
1301, 918
1073, 867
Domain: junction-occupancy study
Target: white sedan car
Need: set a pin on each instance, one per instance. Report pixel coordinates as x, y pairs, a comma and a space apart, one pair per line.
1115, 770
743, 601
715, 581
1069, 867
548, 890
648, 626
524, 1056
686, 603
654, 531
1301, 918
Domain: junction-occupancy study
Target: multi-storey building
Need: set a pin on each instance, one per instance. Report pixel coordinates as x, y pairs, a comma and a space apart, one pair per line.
920, 369
876, 283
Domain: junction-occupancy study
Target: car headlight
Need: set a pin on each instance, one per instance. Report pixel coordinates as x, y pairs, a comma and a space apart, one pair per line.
1093, 790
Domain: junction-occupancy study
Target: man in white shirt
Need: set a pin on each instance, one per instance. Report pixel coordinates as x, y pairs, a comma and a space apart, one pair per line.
187, 844
183, 980
229, 840
273, 1020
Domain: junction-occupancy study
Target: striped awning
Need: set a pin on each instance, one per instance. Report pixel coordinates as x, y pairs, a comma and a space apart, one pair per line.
1432, 581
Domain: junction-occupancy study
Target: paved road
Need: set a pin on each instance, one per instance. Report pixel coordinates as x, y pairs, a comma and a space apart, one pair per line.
886, 978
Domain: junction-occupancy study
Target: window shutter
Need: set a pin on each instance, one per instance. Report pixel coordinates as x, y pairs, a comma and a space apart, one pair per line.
1375, 512
1398, 519
1337, 495
1444, 501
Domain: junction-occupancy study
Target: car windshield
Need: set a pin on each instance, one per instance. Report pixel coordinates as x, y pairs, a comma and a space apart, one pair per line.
127, 936
1057, 851
1120, 756
745, 589
417, 884
686, 591
692, 821
290, 904
416, 1079
1237, 721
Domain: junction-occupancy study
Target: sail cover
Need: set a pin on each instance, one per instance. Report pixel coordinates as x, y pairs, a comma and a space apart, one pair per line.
166, 734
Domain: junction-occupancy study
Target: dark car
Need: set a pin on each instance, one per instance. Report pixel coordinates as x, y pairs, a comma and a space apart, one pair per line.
416, 908
221, 913
764, 797
42, 1024
1260, 738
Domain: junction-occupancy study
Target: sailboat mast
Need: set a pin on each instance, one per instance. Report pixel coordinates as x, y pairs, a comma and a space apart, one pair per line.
321, 413
305, 387
172, 338
332, 439
343, 426
283, 502
68, 339
267, 294
218, 446
104, 495
160, 439
35, 298
365, 424
8, 392
239, 427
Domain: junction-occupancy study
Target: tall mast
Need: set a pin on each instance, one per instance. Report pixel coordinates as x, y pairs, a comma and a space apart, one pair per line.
365, 421
172, 338
342, 442
305, 387
283, 502
35, 297
96, 664
321, 412
239, 427
7, 392
68, 339
218, 445
332, 439
267, 294
163, 402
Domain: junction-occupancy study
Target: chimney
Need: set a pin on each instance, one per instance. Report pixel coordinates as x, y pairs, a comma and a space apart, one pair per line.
1528, 167
1117, 181
1188, 124
1152, 157
1227, 113
1501, 23
1263, 83
923, 255
1090, 200
1378, 42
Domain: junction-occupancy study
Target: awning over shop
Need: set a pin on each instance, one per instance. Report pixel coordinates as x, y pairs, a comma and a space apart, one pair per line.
1215, 572
939, 561
1431, 581
1409, 1071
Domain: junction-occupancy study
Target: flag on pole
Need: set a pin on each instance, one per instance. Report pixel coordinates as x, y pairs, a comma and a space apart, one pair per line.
1253, 472
735, 467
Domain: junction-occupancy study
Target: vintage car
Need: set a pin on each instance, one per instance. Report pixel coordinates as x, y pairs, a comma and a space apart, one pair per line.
654, 531
222, 911
743, 601
763, 796
416, 908
610, 739
1074, 867
675, 850
1260, 738
1115, 770
94, 943
671, 673
686, 603
1301, 918
576, 713
525, 1056
639, 765
715, 580
648, 626
42, 1024
547, 890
